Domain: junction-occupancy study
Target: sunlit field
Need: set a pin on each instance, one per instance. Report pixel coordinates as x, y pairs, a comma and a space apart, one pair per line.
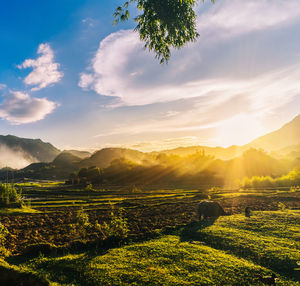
45, 237
232, 251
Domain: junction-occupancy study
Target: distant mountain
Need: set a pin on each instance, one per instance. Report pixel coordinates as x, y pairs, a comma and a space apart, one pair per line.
256, 163
60, 168
80, 154
104, 157
43, 160
286, 136
290, 152
18, 152
66, 158
218, 152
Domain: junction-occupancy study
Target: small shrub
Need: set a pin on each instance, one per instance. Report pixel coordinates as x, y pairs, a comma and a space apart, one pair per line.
135, 189
3, 234
81, 225
282, 206
214, 190
9, 196
294, 189
248, 212
117, 226
89, 188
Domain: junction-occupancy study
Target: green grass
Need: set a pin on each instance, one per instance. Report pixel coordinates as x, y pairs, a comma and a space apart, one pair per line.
93, 199
236, 249
164, 261
17, 211
270, 239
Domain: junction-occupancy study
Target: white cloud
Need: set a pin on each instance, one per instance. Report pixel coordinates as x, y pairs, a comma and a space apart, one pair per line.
230, 18
85, 80
89, 21
229, 101
45, 71
19, 108
238, 67
121, 67
2, 86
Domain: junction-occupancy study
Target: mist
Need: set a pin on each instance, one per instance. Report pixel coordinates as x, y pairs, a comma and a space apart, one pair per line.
16, 159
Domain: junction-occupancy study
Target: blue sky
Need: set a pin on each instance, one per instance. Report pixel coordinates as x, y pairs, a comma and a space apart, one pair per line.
68, 76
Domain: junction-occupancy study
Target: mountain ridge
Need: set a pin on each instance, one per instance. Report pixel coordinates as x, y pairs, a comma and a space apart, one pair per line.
285, 136
25, 150
35, 150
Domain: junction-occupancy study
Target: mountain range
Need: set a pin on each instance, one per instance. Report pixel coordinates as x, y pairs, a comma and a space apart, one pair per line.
287, 135
34, 154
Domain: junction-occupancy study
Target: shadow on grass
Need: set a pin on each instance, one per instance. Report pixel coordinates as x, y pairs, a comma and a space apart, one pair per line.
191, 231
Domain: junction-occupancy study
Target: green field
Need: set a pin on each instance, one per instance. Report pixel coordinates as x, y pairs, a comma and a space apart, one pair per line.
230, 251
165, 244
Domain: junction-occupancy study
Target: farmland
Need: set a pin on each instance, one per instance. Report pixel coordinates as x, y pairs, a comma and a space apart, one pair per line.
158, 221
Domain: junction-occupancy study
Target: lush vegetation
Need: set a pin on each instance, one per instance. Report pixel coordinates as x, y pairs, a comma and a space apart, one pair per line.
270, 239
3, 234
192, 170
162, 24
9, 196
193, 255
69, 230
292, 179
124, 167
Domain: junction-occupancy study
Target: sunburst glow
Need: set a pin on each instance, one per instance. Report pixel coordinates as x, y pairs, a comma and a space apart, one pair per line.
239, 130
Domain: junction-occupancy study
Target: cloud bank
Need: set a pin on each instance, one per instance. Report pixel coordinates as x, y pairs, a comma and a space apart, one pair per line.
121, 67
19, 108
237, 72
45, 71
2, 86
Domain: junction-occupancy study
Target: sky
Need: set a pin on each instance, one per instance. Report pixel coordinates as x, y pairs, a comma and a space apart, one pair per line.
72, 78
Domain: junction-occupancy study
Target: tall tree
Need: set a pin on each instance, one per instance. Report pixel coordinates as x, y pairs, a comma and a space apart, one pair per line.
162, 24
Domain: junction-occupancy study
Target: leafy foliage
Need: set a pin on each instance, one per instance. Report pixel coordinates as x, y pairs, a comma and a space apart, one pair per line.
89, 188
79, 228
162, 24
116, 227
9, 195
3, 234
292, 179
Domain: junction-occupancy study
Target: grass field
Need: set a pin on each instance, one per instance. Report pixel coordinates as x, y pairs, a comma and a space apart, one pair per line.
230, 251
250, 246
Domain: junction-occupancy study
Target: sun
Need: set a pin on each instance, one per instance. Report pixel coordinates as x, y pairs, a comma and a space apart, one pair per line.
239, 130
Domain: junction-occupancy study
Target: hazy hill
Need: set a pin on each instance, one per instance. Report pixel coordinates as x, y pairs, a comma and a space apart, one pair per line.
290, 152
60, 168
284, 145
255, 163
218, 152
66, 158
287, 135
285, 141
80, 154
104, 157
18, 152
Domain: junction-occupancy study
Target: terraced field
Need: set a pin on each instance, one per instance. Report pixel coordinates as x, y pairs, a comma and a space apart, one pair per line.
165, 244
192, 255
